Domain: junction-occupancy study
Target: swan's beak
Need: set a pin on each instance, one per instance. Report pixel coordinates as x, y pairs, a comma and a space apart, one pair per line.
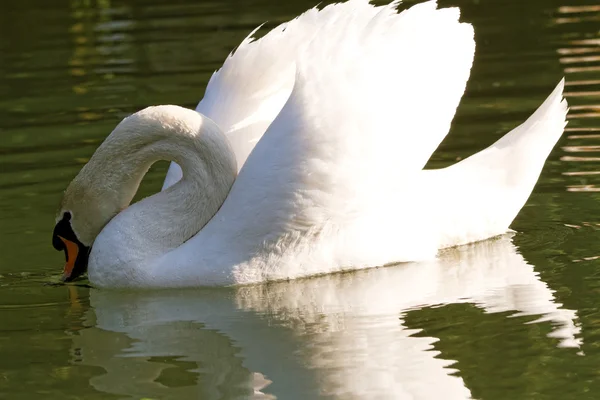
71, 253
76, 253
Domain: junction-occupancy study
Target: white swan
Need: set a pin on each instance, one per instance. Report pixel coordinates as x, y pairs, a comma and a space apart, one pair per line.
352, 100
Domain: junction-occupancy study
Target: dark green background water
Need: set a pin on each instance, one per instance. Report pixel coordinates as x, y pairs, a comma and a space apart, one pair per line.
512, 318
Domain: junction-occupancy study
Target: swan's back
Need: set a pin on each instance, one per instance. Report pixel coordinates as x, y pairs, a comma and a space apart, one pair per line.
336, 182
374, 94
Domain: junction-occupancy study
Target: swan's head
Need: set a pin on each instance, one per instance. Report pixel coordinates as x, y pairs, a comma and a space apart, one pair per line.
91, 200
103, 188
106, 185
81, 218
76, 253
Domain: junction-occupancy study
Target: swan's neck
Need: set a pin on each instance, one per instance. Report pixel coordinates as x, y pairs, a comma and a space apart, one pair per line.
167, 219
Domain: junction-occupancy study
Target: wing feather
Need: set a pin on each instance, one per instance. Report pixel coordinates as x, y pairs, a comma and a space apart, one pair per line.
374, 95
250, 89
329, 184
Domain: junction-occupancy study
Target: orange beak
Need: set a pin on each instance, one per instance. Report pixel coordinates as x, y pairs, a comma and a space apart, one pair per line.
72, 250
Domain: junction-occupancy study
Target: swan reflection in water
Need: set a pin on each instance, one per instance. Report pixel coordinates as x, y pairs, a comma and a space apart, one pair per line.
339, 335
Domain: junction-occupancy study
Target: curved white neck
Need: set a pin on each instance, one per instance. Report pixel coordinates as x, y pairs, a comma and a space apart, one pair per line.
164, 221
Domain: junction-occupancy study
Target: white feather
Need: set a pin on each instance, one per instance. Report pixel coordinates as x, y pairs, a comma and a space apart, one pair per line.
247, 93
482, 194
332, 118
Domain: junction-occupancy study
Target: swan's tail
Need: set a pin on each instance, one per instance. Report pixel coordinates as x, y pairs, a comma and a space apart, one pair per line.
488, 189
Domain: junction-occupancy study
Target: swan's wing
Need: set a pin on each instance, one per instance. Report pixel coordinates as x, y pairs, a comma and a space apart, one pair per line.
423, 57
374, 96
483, 193
247, 93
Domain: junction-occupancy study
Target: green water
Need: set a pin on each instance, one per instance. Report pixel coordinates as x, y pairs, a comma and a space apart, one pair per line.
511, 318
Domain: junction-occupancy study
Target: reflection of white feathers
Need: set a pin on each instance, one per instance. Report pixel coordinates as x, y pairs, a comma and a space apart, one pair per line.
340, 335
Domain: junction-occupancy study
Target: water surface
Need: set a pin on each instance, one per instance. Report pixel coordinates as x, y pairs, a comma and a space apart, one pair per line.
511, 318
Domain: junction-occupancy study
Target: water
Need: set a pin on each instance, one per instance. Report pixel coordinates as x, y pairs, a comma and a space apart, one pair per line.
511, 318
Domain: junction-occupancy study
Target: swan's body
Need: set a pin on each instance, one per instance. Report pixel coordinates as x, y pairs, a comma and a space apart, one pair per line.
330, 120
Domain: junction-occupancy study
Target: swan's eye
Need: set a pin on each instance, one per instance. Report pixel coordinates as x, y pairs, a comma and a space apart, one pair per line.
63, 228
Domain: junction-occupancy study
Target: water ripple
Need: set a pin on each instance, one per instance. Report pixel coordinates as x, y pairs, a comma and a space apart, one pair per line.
580, 57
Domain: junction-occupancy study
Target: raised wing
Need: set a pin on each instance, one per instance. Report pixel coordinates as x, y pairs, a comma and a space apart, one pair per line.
484, 192
374, 95
247, 93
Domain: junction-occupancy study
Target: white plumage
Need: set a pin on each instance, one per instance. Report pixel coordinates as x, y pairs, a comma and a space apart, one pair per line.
331, 118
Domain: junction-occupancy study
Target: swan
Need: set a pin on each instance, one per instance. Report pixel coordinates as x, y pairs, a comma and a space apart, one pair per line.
304, 157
